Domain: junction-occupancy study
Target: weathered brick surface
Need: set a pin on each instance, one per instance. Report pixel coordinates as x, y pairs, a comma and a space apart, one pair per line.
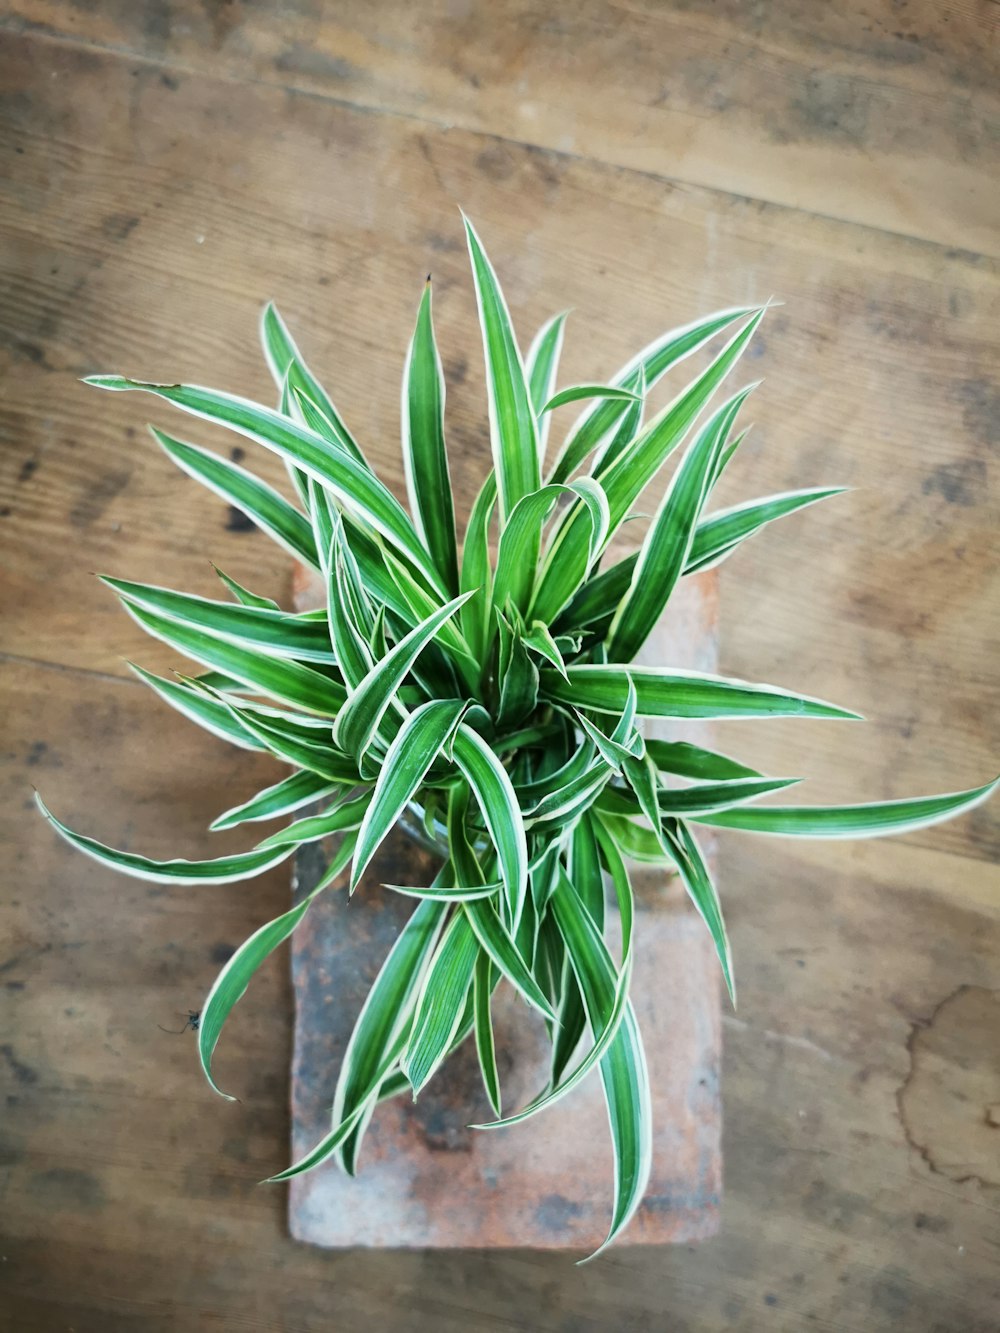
425, 1179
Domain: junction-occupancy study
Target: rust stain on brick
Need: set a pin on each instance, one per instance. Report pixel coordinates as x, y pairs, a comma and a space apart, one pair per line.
425, 1179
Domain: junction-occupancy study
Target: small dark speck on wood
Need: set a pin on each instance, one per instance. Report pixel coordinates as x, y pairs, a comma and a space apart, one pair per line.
237, 521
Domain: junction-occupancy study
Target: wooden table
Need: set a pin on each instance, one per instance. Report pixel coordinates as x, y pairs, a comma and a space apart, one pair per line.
169, 165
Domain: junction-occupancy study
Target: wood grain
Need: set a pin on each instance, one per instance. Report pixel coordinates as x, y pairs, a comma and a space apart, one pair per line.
878, 112
146, 210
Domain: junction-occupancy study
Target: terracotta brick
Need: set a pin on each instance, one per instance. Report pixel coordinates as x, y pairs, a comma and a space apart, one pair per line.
425, 1178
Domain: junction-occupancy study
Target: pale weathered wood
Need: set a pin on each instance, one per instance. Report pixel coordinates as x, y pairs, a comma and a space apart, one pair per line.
866, 971
885, 113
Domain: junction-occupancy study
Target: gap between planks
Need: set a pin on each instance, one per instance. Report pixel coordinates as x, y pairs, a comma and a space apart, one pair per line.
18, 659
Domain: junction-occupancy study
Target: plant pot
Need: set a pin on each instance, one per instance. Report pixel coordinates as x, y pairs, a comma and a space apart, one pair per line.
425, 1179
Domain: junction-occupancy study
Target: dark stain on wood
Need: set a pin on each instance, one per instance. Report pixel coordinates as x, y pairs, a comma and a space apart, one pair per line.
555, 1210
69, 1187
960, 483
301, 59
22, 1072
981, 411
119, 226
456, 368
97, 496
237, 521
496, 162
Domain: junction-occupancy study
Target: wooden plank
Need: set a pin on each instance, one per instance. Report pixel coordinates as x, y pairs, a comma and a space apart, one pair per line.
883, 114
860, 966
880, 374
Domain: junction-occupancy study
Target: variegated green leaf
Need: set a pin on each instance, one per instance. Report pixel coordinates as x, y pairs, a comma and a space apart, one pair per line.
414, 748
244, 596
477, 572
692, 761
482, 990
719, 534
495, 796
540, 639
623, 1065
285, 680
542, 367
270, 511
295, 748
447, 893
663, 692
231, 984
699, 798
613, 754
287, 366
578, 392
665, 550
584, 870
702, 892
376, 578
600, 421
634, 841
350, 619
625, 479
351, 482
286, 796
493, 937
359, 719
629, 425
517, 675
333, 1141
199, 707
384, 1022
559, 806
513, 427
272, 632
640, 775
568, 1034
442, 1002
222, 870
341, 816
519, 540
449, 637
425, 461
870, 820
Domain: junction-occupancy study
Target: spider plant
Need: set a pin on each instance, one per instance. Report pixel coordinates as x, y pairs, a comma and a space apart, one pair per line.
485, 693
